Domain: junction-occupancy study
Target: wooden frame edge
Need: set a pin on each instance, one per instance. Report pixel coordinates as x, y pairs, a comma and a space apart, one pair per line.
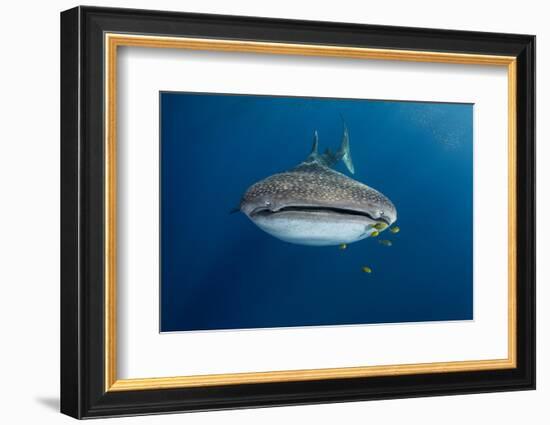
114, 40
136, 384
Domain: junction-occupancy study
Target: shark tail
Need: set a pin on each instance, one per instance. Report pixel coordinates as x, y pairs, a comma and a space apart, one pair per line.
329, 158
344, 152
315, 147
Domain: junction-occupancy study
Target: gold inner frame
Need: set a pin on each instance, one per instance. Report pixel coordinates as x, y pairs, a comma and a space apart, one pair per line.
113, 41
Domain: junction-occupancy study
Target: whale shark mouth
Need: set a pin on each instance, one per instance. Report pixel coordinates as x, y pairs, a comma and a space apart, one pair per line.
265, 212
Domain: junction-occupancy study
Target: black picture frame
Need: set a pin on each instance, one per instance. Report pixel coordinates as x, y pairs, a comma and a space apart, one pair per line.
83, 392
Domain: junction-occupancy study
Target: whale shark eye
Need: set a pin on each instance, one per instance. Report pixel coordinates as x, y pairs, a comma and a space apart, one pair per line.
267, 203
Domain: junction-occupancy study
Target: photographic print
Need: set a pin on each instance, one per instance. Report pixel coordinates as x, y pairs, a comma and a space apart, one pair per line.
299, 211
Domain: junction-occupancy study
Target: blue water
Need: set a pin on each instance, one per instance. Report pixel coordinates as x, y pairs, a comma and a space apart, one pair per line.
219, 271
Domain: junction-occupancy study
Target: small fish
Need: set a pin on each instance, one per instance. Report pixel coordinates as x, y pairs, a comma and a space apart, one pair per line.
342, 246
380, 226
395, 229
366, 269
374, 234
385, 242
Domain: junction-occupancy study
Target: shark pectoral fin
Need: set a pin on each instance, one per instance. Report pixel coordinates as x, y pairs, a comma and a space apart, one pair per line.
345, 152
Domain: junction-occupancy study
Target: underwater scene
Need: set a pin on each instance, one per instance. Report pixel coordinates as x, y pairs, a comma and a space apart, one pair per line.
297, 211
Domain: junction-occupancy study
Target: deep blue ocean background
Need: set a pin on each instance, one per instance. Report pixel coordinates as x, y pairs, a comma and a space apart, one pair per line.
219, 271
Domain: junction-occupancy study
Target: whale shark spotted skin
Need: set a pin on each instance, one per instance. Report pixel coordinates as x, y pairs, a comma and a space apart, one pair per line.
312, 204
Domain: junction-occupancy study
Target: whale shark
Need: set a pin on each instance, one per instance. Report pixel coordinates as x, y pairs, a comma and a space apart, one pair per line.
313, 204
